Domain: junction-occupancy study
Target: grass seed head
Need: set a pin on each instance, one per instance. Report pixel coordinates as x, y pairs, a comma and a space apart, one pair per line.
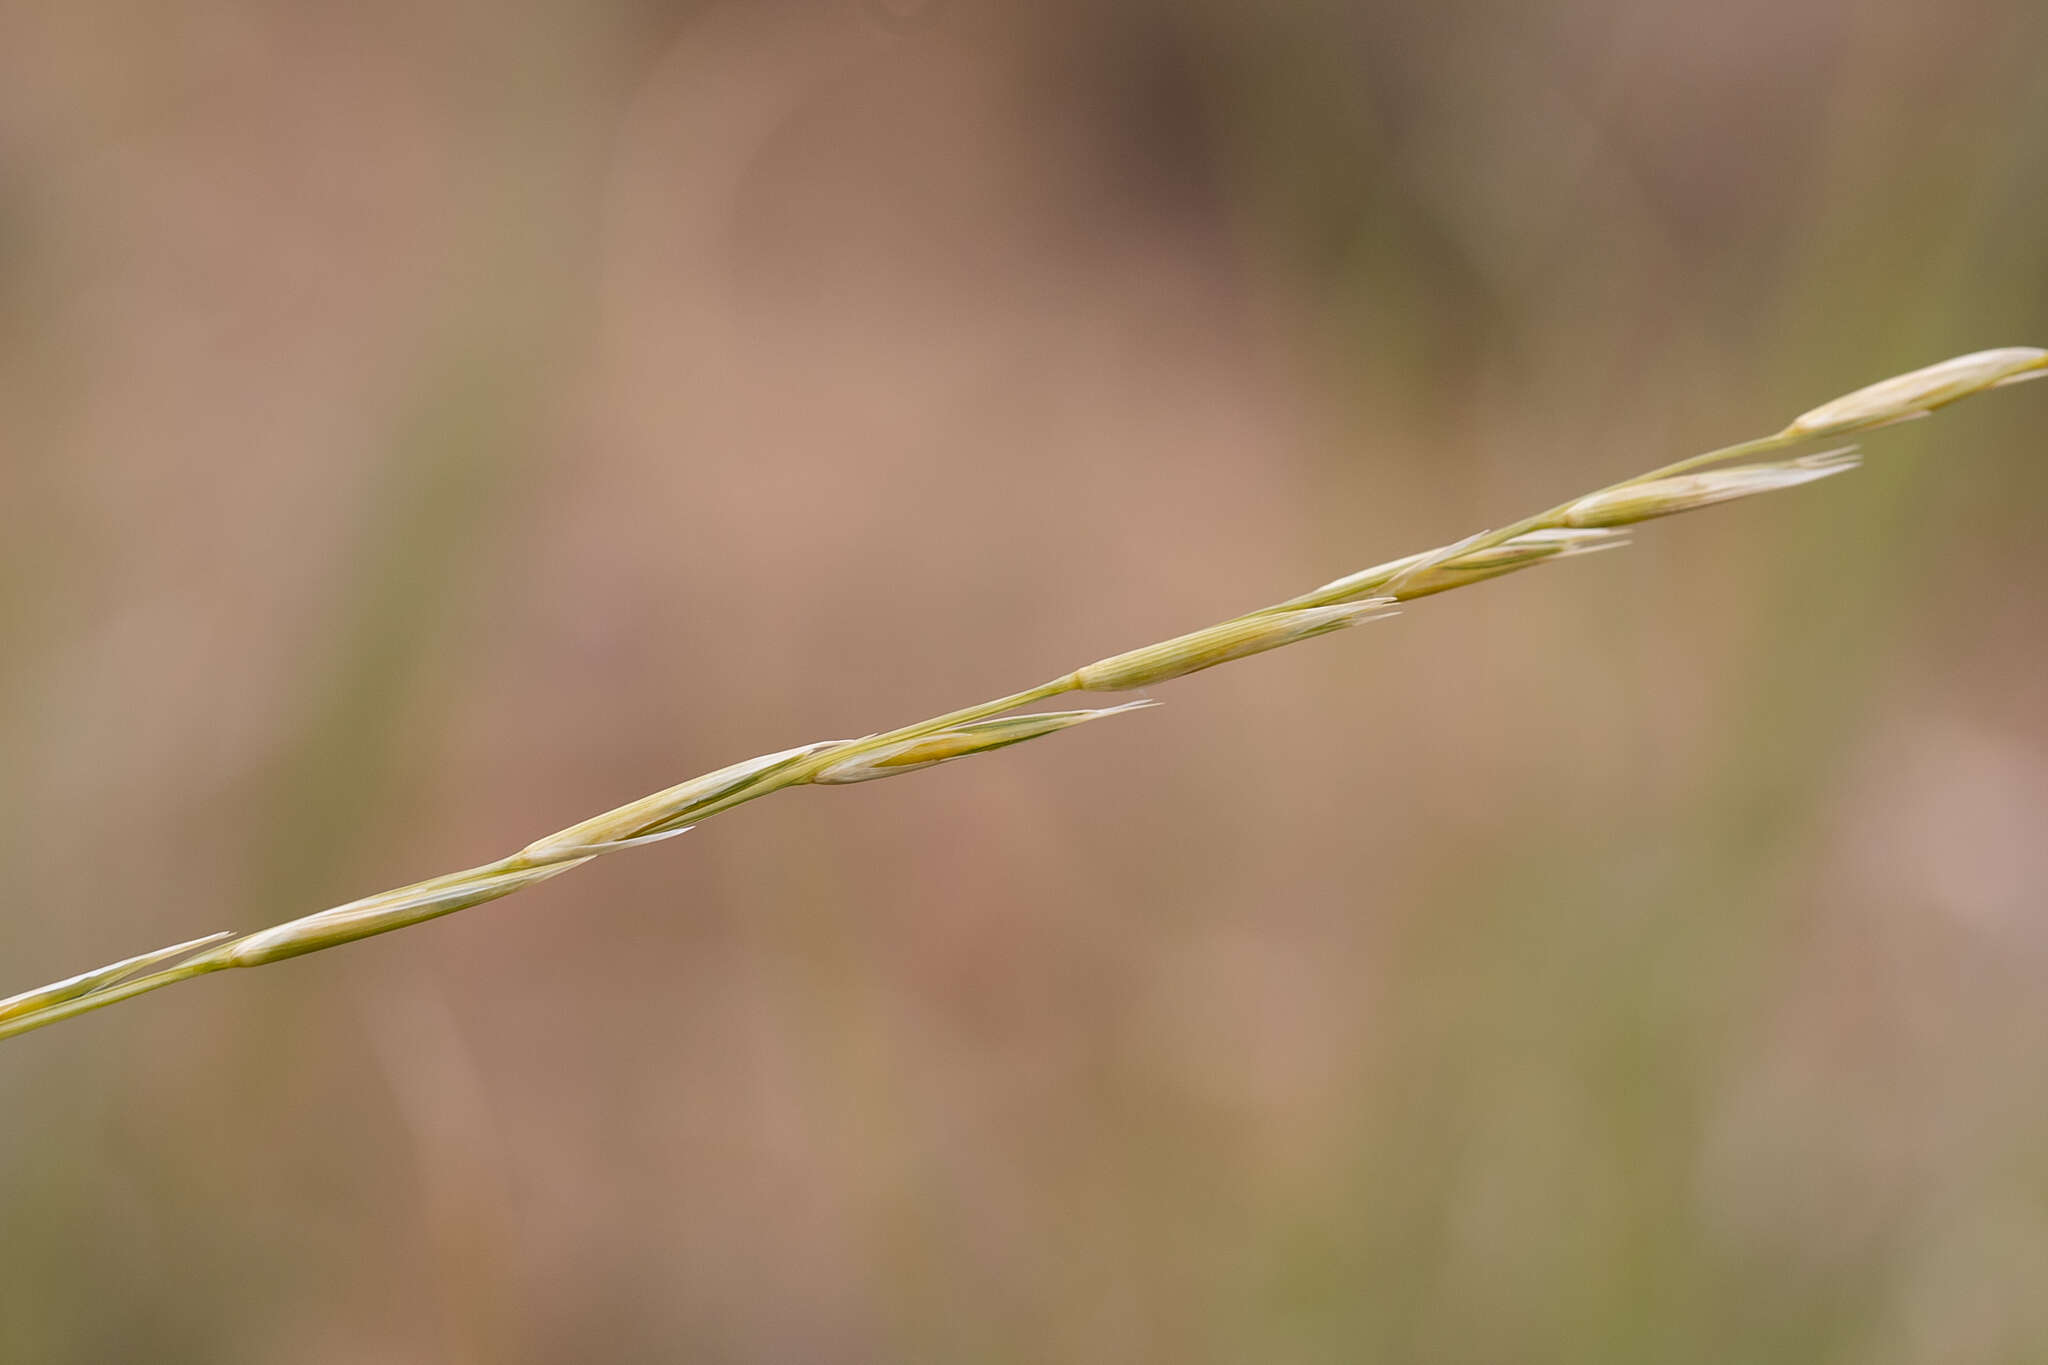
979, 737
374, 914
1907, 396
1634, 502
1220, 644
1419, 575
85, 983
1531, 547
1579, 527
664, 812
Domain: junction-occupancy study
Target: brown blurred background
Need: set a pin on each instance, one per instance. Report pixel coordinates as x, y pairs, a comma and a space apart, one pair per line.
423, 425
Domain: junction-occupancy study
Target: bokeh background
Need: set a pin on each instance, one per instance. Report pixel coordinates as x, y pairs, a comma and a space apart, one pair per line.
428, 424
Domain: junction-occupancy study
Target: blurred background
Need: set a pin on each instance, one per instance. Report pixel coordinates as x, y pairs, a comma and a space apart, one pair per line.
424, 425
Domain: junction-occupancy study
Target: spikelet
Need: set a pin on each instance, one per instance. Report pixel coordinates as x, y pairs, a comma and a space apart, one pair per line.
375, 914
659, 815
1907, 396
1220, 644
980, 737
1633, 502
85, 983
1414, 576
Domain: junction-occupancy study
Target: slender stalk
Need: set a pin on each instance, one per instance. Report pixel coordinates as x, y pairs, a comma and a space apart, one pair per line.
1579, 526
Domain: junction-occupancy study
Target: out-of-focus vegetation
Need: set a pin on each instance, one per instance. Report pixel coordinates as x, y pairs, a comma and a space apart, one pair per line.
411, 410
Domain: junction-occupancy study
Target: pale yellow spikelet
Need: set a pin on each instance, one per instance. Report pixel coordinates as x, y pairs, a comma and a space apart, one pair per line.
660, 814
1220, 644
1531, 547
1631, 503
85, 983
373, 914
1907, 396
1416, 576
980, 737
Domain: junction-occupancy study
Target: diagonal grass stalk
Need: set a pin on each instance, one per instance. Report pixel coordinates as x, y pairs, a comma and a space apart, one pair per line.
1583, 525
